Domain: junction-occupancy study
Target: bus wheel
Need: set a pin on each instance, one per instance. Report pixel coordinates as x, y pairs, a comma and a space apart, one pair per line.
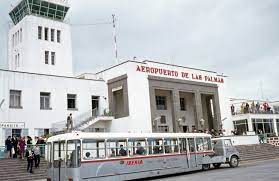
216, 165
234, 161
205, 167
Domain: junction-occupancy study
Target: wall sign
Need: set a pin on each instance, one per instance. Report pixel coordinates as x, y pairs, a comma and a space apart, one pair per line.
180, 74
18, 125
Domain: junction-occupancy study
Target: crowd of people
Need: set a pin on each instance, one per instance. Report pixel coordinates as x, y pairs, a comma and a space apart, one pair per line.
213, 132
23, 147
253, 107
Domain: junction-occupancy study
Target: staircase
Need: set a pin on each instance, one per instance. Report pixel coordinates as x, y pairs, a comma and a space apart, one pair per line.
81, 122
15, 170
258, 152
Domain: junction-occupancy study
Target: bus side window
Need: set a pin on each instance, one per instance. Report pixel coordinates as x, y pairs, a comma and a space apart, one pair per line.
199, 144
73, 153
93, 149
183, 145
155, 146
191, 144
171, 145
137, 147
207, 144
116, 148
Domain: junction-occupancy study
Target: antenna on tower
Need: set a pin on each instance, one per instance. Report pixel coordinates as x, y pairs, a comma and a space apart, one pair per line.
114, 36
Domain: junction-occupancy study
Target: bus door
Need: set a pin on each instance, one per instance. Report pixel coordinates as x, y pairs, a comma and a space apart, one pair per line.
184, 150
192, 157
59, 166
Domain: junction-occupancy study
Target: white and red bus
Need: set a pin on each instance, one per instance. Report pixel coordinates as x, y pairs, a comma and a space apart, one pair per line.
125, 156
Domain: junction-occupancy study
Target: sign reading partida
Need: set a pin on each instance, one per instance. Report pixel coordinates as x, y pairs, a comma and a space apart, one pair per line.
179, 74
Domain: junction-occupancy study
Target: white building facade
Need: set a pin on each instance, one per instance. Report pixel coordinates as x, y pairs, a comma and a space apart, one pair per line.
39, 91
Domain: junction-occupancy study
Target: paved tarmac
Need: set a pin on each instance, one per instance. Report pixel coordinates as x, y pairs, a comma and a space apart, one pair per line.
257, 171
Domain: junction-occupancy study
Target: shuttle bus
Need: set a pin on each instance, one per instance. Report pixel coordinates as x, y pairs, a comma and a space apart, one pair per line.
127, 156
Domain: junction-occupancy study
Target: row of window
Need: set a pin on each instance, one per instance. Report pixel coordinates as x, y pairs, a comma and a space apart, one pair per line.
45, 100
95, 149
25, 132
161, 103
111, 148
52, 57
49, 31
17, 37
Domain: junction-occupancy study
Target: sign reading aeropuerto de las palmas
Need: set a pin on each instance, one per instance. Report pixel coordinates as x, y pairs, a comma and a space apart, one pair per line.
179, 74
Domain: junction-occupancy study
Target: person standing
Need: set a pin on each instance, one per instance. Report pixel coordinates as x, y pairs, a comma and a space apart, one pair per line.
14, 146
8, 144
37, 155
29, 154
21, 146
232, 109
69, 123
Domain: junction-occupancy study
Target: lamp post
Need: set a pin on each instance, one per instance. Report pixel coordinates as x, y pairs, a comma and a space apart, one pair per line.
202, 122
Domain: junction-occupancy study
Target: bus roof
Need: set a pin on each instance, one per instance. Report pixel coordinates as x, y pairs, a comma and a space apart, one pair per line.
83, 135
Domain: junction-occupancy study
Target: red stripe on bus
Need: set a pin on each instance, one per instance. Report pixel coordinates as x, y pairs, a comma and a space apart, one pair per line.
147, 156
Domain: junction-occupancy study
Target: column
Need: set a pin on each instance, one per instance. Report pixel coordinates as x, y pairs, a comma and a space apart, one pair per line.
198, 105
217, 112
250, 125
175, 109
153, 108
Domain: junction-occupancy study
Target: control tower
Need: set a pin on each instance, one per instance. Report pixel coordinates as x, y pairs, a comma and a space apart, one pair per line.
40, 39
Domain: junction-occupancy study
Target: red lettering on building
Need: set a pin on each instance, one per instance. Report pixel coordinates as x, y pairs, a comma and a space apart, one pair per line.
183, 75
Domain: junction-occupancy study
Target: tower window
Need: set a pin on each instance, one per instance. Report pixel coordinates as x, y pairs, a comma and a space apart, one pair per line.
20, 35
46, 57
53, 58
40, 29
13, 40
46, 33
52, 35
58, 36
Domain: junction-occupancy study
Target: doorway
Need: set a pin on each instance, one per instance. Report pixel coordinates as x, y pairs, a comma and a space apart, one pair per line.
16, 133
95, 105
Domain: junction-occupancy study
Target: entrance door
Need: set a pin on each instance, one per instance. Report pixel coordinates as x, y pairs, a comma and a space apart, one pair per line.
192, 153
59, 166
95, 105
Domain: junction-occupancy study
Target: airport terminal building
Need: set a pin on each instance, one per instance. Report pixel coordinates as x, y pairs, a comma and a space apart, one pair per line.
39, 90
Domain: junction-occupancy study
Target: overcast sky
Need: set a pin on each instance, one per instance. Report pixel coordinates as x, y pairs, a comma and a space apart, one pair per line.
239, 38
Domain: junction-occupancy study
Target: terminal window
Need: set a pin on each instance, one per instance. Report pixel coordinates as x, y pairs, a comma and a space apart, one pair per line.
15, 99
45, 100
161, 102
182, 104
71, 101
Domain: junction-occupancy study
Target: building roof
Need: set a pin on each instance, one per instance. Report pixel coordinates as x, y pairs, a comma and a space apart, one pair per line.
152, 61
